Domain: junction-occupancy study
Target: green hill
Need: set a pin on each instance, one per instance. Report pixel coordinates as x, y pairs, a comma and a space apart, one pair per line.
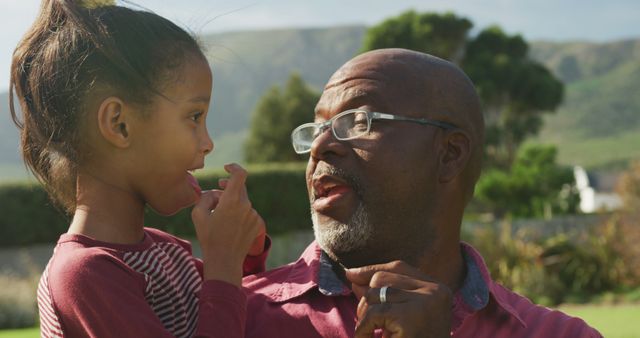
598, 125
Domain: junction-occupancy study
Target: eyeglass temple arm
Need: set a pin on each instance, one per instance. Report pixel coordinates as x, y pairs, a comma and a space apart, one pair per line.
440, 124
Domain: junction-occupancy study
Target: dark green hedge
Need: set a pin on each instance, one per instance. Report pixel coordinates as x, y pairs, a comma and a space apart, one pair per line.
278, 193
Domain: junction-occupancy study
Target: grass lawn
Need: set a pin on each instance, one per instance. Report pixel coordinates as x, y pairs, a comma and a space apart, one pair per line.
20, 333
613, 321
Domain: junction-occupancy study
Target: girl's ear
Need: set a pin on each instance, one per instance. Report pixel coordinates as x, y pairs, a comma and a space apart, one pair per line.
457, 145
114, 122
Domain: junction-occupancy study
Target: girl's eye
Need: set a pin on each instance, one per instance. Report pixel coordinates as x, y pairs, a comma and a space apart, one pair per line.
195, 117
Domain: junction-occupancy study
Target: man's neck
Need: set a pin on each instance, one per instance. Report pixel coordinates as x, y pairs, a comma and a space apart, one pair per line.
445, 264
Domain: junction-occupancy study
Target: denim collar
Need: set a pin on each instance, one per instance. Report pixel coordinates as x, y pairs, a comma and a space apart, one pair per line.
474, 291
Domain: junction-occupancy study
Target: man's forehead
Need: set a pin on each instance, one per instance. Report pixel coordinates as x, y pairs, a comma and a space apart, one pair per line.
354, 93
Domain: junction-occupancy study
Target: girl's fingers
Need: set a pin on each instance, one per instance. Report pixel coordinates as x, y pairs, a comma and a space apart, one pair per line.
236, 181
257, 247
208, 201
223, 182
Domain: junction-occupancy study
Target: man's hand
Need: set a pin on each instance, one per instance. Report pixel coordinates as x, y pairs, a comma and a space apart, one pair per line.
416, 306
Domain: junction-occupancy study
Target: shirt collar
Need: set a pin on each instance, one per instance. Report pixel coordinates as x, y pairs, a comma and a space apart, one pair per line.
315, 269
301, 276
477, 288
331, 279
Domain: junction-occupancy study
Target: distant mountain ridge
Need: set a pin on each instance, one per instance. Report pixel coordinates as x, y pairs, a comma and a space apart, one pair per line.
598, 124
601, 108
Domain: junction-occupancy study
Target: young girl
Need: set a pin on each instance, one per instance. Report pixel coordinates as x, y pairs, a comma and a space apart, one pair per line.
114, 102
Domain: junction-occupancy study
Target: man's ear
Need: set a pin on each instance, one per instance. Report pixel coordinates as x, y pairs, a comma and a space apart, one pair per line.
457, 151
114, 122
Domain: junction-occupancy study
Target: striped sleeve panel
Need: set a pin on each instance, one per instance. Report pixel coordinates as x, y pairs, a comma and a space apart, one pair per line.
49, 321
173, 284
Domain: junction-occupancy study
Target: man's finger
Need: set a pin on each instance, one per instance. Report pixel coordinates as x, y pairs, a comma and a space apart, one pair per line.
389, 279
359, 290
376, 317
384, 278
391, 295
363, 275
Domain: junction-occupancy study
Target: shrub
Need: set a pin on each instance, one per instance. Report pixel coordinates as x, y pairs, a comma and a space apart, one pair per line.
574, 265
514, 261
629, 187
28, 216
534, 186
278, 193
17, 302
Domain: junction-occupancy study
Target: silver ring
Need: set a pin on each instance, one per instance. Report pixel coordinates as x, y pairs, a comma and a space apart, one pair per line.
383, 294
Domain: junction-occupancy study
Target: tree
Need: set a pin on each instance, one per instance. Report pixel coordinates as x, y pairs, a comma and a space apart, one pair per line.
276, 115
441, 35
514, 89
535, 186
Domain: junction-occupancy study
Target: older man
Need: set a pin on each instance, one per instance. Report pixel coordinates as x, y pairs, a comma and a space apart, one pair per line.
395, 152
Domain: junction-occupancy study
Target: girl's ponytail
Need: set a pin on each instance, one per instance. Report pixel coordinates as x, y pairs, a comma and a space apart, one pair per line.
32, 74
75, 54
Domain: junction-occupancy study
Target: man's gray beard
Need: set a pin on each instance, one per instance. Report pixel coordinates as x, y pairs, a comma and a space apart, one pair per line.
335, 238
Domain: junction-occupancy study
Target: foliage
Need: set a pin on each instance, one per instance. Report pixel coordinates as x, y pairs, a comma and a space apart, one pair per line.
629, 187
276, 115
17, 302
561, 267
515, 89
535, 186
277, 192
28, 216
442, 35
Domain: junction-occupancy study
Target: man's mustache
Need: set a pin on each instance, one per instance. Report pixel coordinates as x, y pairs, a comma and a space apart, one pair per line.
342, 174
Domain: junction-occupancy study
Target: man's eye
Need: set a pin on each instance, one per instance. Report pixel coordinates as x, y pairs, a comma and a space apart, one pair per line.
360, 124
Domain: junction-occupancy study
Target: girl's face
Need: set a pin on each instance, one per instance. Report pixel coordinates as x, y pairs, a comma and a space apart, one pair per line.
173, 140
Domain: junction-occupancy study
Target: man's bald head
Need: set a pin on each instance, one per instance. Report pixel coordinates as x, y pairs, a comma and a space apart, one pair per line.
443, 92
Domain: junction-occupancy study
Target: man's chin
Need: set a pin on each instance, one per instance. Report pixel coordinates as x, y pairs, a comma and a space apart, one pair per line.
329, 216
342, 239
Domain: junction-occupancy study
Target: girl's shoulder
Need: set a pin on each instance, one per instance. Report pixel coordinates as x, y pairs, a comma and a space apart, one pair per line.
79, 253
160, 236
79, 259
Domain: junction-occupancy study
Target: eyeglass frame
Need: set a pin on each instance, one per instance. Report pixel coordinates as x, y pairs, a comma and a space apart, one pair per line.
322, 126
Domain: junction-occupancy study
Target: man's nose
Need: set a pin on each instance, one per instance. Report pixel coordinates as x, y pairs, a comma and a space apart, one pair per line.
326, 144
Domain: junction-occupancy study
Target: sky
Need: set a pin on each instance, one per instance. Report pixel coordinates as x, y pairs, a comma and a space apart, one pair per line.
556, 20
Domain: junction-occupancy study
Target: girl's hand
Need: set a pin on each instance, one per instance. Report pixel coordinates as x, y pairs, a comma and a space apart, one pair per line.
227, 233
257, 247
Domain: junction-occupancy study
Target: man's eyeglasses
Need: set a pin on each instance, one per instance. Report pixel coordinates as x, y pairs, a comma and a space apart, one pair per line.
348, 125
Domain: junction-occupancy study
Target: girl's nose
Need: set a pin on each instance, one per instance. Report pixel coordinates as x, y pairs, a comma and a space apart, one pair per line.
207, 143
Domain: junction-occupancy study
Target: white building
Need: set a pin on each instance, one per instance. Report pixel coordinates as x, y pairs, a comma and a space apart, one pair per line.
597, 191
